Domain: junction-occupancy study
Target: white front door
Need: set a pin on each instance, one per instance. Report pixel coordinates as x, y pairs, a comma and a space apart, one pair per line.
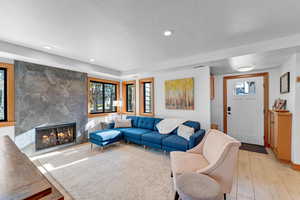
245, 109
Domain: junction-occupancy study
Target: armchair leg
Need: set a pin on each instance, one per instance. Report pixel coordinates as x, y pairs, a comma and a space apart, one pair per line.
91, 146
176, 197
224, 196
171, 174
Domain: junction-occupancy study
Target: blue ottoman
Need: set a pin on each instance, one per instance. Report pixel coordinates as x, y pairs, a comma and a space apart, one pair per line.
105, 137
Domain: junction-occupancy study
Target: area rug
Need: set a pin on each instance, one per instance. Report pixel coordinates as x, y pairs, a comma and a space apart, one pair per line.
121, 171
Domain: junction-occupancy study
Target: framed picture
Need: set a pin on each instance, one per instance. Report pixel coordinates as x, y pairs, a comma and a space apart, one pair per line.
285, 83
279, 104
179, 94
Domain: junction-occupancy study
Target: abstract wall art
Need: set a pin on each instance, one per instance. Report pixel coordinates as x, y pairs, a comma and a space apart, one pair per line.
179, 94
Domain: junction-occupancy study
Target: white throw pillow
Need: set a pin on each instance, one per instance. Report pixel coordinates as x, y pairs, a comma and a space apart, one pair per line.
185, 131
123, 123
167, 125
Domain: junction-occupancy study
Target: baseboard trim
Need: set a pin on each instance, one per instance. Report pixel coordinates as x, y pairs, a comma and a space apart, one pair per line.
295, 166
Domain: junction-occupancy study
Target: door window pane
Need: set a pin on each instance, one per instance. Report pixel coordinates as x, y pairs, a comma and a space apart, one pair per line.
245, 88
3, 106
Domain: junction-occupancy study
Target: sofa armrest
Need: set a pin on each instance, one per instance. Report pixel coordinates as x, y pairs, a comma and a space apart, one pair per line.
196, 138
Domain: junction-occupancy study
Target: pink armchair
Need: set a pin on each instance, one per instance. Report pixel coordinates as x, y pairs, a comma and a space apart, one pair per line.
216, 156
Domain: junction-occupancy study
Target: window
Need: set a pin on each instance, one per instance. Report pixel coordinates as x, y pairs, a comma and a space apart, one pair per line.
128, 93
146, 97
129, 97
3, 94
7, 95
102, 94
244, 88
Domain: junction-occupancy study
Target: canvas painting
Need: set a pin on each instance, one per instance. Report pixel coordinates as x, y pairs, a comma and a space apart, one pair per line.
179, 94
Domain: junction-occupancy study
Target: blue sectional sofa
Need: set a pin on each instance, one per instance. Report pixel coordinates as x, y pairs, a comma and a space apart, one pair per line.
144, 132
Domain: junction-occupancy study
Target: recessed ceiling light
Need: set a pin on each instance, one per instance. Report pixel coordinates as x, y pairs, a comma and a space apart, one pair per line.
47, 47
245, 68
92, 60
168, 33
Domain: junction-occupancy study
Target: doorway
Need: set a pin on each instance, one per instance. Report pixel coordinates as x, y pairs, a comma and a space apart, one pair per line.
246, 101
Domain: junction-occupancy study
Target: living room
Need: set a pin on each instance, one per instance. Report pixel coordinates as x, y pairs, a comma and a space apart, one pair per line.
149, 100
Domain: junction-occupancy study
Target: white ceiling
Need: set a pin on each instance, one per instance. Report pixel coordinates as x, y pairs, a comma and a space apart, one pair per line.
127, 35
260, 61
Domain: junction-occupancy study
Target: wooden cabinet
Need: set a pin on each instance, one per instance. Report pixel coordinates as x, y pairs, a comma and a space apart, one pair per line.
280, 128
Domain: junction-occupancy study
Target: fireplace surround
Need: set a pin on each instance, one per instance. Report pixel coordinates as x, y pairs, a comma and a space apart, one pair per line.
54, 135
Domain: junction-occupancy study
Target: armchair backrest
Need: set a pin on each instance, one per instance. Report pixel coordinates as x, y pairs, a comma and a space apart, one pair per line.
221, 152
215, 144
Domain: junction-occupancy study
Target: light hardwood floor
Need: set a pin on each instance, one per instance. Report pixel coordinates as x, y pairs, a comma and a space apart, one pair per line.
258, 177
262, 177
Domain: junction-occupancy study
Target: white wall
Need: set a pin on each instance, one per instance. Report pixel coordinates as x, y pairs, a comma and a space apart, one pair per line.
6, 60
8, 130
201, 112
217, 102
296, 116
289, 66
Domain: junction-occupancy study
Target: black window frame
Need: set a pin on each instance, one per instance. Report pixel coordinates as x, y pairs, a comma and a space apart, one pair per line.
5, 94
127, 102
144, 91
103, 97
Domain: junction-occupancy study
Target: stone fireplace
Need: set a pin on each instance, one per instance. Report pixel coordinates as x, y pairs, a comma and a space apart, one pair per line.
44, 96
54, 135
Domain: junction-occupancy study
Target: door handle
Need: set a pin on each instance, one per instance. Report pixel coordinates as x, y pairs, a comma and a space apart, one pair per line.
229, 110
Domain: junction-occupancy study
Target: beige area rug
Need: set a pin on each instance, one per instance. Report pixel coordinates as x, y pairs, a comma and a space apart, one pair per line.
121, 171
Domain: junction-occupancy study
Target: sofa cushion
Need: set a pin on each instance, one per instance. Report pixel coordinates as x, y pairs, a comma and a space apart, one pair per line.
134, 132
134, 120
154, 137
104, 135
156, 121
176, 141
146, 123
182, 162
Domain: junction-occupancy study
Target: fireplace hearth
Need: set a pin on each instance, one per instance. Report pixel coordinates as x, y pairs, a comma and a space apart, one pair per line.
54, 135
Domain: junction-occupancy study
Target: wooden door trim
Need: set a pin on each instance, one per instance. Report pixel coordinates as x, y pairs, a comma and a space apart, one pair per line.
265, 75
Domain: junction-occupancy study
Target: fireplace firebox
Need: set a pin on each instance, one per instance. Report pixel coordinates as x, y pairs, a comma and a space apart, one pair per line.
54, 135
